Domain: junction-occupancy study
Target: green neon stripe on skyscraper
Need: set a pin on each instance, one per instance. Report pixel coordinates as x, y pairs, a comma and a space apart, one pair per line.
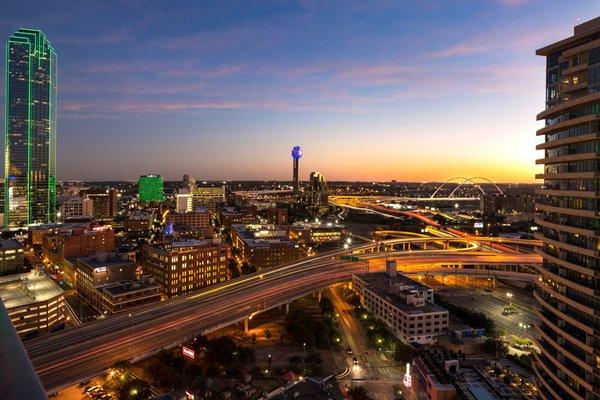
30, 129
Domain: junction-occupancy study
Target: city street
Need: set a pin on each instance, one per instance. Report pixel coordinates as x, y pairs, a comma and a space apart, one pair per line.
375, 371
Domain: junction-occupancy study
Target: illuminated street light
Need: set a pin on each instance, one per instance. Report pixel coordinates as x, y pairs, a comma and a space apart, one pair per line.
509, 295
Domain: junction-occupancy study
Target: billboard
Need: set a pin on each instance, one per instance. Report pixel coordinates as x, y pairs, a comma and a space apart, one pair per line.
189, 353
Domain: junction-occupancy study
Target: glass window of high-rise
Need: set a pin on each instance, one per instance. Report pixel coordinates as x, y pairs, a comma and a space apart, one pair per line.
150, 188
30, 129
568, 292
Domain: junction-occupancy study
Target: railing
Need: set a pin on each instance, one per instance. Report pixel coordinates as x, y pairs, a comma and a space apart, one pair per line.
18, 379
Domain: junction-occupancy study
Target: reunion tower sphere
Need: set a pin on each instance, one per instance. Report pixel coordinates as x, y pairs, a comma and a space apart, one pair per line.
296, 152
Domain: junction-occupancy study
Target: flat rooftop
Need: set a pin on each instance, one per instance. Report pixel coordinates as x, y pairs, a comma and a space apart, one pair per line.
317, 225
119, 288
106, 261
183, 243
580, 33
250, 234
10, 244
29, 288
387, 288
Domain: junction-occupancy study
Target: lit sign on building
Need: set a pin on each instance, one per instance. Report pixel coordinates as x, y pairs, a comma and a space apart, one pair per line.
100, 269
407, 378
478, 225
189, 352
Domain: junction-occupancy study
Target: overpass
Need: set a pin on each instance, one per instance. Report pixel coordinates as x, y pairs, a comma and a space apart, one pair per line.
66, 357
478, 273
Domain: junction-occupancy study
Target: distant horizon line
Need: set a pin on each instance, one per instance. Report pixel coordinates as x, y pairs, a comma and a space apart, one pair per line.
290, 181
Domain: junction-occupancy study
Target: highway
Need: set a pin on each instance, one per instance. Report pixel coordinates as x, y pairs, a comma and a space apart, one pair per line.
65, 358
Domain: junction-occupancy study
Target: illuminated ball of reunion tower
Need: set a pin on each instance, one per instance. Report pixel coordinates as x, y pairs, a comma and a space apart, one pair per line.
296, 152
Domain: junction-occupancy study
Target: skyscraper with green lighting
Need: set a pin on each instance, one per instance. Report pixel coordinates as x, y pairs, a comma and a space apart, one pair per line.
30, 129
150, 188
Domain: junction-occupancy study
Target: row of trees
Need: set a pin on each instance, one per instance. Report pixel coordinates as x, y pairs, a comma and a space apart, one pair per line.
377, 331
221, 356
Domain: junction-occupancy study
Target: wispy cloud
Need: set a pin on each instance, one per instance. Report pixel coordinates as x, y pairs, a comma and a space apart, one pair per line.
497, 40
513, 3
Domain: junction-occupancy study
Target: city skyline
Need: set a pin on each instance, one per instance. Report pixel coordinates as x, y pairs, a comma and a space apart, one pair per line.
214, 82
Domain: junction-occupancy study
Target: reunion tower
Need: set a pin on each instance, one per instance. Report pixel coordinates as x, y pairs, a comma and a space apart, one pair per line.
296, 154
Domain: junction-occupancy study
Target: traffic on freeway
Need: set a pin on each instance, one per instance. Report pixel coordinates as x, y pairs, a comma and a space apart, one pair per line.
65, 358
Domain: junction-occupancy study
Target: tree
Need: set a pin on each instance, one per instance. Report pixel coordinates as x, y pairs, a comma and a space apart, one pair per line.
403, 353
398, 392
495, 347
359, 393
233, 268
295, 360
268, 333
326, 306
135, 389
247, 268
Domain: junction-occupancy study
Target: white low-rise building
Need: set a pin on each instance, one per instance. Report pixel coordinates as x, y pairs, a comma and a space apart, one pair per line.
34, 302
404, 305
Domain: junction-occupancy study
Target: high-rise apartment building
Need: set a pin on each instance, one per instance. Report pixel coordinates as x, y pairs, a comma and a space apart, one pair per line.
104, 202
208, 197
30, 129
319, 195
77, 207
151, 188
568, 293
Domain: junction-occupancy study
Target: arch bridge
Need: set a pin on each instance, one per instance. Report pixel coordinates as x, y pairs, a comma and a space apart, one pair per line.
462, 181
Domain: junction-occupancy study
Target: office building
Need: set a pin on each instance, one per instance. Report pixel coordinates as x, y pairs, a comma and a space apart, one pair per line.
30, 129
108, 282
568, 365
188, 181
104, 202
138, 223
34, 303
199, 219
11, 257
316, 233
208, 197
229, 216
151, 188
404, 305
80, 241
276, 215
296, 155
187, 265
264, 246
183, 200
318, 195
77, 207
429, 386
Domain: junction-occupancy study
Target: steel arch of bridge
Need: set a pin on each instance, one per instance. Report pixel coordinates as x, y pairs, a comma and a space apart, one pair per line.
464, 181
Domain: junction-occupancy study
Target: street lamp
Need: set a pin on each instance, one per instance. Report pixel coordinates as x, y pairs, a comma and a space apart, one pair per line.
132, 332
303, 357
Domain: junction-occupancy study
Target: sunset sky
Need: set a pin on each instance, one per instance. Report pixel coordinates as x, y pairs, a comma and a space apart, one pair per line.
372, 90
